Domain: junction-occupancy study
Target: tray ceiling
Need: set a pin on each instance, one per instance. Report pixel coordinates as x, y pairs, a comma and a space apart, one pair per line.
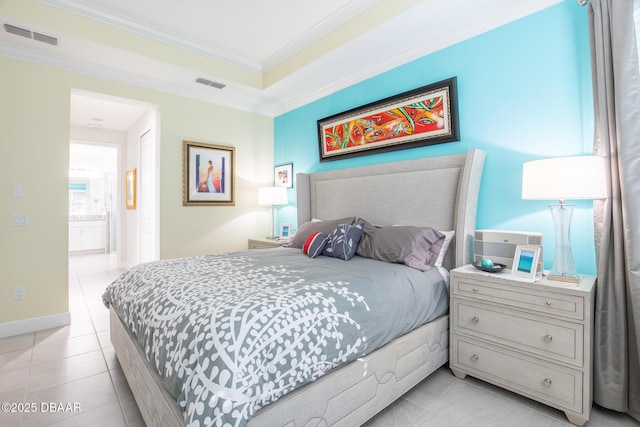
271, 56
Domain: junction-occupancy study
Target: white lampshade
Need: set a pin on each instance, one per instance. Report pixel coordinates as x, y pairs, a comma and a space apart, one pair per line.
562, 178
271, 196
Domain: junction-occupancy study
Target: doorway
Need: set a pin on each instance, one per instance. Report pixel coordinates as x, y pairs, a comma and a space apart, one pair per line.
93, 198
107, 122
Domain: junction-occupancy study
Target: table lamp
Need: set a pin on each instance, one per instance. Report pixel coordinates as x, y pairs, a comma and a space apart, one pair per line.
272, 196
564, 178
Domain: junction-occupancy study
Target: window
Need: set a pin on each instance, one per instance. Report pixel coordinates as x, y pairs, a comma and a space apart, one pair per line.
78, 197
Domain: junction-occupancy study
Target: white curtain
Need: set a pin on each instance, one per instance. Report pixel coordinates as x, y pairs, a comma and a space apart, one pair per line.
616, 83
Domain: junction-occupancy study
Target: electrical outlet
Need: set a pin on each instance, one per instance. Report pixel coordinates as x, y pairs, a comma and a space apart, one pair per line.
17, 191
19, 220
19, 293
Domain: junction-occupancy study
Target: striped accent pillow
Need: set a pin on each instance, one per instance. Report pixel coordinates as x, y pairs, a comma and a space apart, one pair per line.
315, 243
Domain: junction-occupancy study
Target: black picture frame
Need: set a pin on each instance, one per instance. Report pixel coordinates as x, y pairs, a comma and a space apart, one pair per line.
283, 175
424, 116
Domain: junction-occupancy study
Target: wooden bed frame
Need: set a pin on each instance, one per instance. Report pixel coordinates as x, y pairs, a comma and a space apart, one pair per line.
440, 192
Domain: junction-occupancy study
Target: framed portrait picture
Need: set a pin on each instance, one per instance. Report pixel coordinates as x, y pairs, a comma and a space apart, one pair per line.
525, 261
424, 116
208, 174
130, 190
283, 175
285, 231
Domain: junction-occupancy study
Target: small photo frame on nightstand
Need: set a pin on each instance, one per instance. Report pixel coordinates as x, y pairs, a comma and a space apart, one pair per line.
525, 261
285, 231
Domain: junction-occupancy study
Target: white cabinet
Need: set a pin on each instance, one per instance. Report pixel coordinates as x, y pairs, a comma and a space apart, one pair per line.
87, 235
531, 338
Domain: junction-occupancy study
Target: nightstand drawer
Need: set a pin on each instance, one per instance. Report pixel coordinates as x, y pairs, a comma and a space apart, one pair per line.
523, 297
266, 243
551, 338
547, 382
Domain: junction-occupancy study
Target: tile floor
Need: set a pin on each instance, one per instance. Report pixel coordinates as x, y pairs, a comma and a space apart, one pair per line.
76, 365
72, 365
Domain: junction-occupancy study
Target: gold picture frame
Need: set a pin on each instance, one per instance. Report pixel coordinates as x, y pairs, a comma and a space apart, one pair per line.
208, 176
130, 185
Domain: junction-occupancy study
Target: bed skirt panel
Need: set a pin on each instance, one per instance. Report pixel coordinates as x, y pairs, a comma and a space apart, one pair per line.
354, 393
347, 396
157, 406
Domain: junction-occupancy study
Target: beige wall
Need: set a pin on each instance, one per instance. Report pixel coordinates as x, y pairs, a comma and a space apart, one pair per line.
34, 152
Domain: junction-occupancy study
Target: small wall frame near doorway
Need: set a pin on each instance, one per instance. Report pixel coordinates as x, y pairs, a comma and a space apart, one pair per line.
131, 185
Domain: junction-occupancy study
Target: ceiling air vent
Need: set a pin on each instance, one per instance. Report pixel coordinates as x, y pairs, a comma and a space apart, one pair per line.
207, 82
45, 39
17, 31
12, 29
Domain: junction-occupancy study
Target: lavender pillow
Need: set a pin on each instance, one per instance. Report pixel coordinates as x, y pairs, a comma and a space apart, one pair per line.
416, 247
343, 242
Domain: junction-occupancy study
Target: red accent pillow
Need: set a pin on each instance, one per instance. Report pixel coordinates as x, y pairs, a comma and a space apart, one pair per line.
315, 243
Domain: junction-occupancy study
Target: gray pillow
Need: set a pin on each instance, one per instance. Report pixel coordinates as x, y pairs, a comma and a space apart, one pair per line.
416, 247
310, 227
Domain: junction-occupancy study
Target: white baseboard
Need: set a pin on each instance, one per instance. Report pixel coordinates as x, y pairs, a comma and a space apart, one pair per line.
18, 327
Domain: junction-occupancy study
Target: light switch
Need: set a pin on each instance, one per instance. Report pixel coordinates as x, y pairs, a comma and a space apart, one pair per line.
19, 220
18, 191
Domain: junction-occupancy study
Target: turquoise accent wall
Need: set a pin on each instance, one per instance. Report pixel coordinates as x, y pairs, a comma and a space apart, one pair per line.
524, 93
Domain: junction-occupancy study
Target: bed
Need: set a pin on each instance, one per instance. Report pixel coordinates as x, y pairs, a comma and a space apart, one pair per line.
361, 378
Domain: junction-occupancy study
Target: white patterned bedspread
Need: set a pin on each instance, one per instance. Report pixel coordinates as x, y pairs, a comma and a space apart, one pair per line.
231, 333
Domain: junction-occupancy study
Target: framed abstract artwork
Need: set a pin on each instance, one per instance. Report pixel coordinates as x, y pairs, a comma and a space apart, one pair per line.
208, 174
424, 116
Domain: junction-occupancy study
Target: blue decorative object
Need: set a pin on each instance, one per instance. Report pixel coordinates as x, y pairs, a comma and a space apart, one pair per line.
487, 263
496, 267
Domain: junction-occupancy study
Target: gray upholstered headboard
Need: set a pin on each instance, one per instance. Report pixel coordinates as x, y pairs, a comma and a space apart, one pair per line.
439, 192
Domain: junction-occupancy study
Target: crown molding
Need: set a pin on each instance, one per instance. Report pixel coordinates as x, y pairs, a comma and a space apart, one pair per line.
490, 21
101, 15
52, 60
331, 23
323, 28
301, 87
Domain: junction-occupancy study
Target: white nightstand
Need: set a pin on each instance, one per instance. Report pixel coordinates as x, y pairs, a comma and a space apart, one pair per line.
531, 338
266, 243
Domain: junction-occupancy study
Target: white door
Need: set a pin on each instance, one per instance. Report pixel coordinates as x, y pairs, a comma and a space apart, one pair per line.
146, 194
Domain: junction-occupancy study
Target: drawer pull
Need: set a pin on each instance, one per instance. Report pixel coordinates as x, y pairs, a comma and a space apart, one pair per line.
547, 382
475, 319
475, 289
548, 302
548, 338
475, 357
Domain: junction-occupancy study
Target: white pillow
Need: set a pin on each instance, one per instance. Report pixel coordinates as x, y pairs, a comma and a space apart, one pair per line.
448, 236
